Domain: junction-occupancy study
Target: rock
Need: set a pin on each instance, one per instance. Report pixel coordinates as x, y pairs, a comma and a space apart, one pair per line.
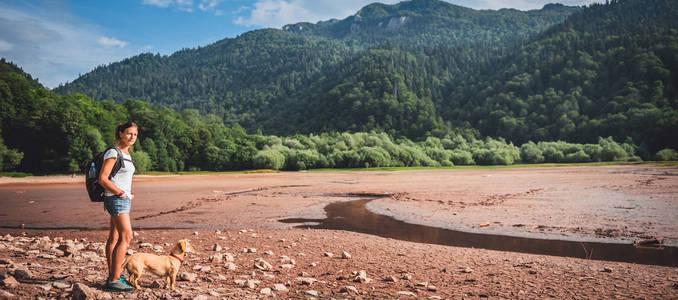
158, 248
287, 260
214, 294
345, 255
406, 277
135, 234
435, 297
431, 288
190, 277
9, 282
230, 266
252, 283
265, 291
422, 284
6, 295
205, 269
217, 247
82, 292
68, 249
306, 280
409, 294
130, 251
390, 279
46, 256
467, 270
287, 266
195, 233
240, 282
249, 250
145, 245
61, 284
6, 261
607, 270
201, 297
313, 264
349, 289
262, 265
228, 257
23, 273
312, 293
362, 277
269, 252
280, 287
216, 258
157, 284
328, 254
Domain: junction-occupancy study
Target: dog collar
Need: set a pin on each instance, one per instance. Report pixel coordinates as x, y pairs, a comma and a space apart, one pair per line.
177, 257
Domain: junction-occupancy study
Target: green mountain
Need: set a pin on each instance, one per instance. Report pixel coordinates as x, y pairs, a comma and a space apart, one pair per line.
426, 67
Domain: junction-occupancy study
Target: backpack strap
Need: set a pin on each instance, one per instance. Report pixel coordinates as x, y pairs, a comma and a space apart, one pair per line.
119, 163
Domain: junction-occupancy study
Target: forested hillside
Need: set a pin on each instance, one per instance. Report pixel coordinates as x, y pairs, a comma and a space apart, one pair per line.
43, 133
428, 68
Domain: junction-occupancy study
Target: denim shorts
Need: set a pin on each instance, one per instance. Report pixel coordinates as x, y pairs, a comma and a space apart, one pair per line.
115, 205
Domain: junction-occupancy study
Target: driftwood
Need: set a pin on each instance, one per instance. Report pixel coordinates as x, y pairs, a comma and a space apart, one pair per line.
655, 242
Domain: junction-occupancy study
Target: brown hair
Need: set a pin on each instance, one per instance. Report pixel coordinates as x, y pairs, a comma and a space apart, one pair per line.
122, 127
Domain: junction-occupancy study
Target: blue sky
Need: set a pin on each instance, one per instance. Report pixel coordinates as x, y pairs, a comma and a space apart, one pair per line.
57, 40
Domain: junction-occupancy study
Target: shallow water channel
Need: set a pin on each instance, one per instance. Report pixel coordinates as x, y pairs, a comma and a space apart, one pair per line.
353, 216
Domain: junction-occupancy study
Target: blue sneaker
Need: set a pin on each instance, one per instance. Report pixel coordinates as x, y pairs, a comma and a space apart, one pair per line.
119, 285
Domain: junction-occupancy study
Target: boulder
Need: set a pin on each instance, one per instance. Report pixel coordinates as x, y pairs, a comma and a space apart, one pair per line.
186, 276
82, 292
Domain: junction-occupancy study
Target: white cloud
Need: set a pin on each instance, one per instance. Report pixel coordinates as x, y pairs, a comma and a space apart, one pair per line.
184, 5
276, 13
158, 3
52, 45
111, 42
524, 4
206, 5
5, 46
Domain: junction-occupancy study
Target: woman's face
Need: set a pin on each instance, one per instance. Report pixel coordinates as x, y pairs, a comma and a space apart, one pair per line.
129, 136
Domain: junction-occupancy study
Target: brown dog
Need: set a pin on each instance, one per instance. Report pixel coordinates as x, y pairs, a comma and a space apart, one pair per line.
162, 265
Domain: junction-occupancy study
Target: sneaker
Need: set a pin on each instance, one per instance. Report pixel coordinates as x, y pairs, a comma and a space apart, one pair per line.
124, 280
119, 286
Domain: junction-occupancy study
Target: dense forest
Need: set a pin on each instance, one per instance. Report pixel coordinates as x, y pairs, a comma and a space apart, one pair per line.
58, 134
419, 83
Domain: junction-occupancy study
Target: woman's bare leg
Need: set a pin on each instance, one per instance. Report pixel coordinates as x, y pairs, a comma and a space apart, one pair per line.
123, 226
110, 245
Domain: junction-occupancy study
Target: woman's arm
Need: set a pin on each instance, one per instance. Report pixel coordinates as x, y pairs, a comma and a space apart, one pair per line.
106, 169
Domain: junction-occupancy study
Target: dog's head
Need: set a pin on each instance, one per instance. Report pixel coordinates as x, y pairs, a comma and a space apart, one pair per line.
182, 247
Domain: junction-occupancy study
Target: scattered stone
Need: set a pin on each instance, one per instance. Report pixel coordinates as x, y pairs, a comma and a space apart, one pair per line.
269, 276
228, 257
6, 295
6, 261
422, 284
328, 254
306, 280
349, 289
135, 234
157, 284
61, 284
406, 277
214, 294
409, 294
130, 251
158, 248
216, 258
280, 287
262, 265
205, 269
287, 266
145, 245
186, 276
269, 252
265, 291
250, 250
362, 277
217, 247
313, 264
432, 288
252, 283
9, 282
195, 233
46, 256
435, 297
23, 274
82, 292
607, 270
312, 293
201, 297
240, 282
467, 270
345, 255
230, 266
390, 279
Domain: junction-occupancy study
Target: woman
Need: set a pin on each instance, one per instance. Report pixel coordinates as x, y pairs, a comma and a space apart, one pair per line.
118, 202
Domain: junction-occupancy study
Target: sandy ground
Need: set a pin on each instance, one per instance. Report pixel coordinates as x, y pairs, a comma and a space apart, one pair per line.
615, 204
